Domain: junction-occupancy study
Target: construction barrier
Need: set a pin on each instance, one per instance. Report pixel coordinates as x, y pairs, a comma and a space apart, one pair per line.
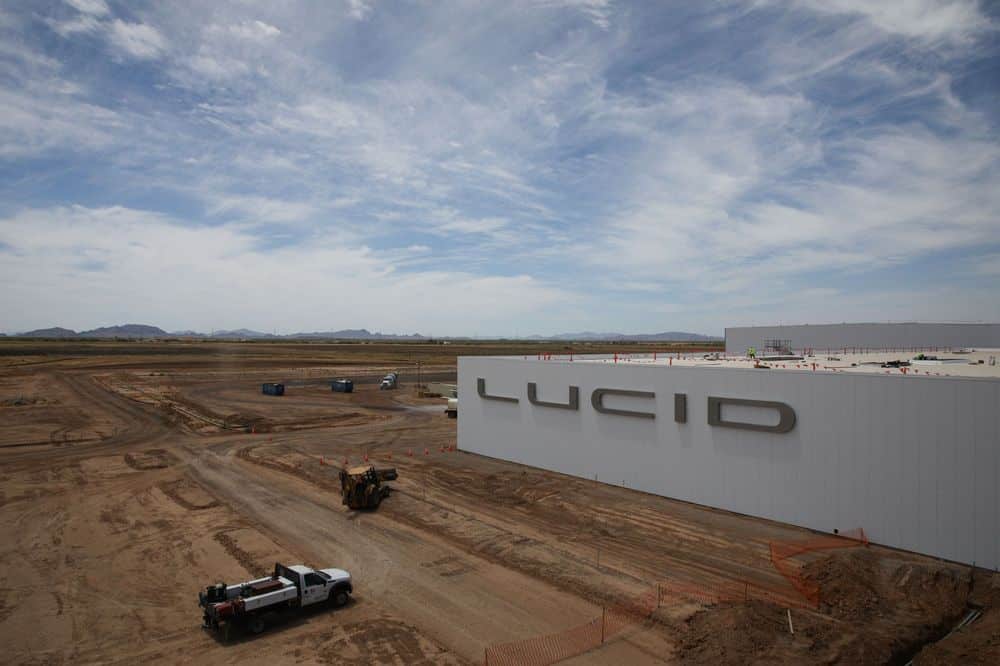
782, 553
614, 619
553, 648
550, 649
632, 611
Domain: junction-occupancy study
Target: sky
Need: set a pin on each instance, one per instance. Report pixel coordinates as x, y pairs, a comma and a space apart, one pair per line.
498, 168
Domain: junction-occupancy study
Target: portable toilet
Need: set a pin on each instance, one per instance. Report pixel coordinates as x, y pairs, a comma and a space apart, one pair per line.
342, 386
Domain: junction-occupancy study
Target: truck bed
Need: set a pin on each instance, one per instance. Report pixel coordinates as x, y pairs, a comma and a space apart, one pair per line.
278, 596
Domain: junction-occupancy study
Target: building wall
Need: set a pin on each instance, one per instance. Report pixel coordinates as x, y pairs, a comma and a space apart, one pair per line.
914, 461
869, 336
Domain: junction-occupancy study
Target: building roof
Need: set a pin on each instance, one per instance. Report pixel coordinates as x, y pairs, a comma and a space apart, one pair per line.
959, 363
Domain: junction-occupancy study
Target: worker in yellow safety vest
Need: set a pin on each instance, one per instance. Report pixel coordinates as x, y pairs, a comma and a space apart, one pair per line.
752, 353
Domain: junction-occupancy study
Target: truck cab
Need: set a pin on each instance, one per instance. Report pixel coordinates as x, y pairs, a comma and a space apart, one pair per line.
316, 585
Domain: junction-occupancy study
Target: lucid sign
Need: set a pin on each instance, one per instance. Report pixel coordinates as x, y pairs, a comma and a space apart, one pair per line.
786, 415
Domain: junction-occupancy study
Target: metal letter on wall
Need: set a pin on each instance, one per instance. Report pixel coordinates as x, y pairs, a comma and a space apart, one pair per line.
597, 400
481, 390
574, 398
786, 415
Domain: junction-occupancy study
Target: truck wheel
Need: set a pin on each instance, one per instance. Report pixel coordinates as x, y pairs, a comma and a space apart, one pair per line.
338, 598
256, 624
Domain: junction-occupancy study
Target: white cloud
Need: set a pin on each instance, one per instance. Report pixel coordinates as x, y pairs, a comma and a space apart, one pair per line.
128, 264
598, 11
928, 19
987, 266
216, 68
717, 207
26, 56
254, 30
93, 7
137, 40
83, 23
358, 9
262, 210
35, 123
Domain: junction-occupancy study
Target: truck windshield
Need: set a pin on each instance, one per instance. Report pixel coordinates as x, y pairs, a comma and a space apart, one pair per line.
325, 576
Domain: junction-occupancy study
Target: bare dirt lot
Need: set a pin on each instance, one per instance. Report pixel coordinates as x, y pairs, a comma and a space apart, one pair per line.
134, 474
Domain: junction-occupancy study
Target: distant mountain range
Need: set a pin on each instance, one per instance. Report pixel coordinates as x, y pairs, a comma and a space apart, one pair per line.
143, 331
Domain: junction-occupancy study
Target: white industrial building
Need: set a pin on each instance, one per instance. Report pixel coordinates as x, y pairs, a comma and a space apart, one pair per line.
872, 336
912, 455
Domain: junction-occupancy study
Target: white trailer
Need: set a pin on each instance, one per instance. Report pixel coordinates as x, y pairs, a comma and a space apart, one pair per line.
288, 588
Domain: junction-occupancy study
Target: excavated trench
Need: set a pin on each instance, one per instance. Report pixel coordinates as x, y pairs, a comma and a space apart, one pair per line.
905, 654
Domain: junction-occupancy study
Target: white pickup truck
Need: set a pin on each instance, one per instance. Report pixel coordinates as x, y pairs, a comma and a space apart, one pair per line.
288, 588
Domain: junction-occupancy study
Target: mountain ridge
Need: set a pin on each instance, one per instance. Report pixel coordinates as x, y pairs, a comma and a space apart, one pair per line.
145, 331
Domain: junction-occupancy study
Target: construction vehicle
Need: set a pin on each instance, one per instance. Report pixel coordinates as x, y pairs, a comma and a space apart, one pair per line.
362, 487
452, 409
289, 588
390, 381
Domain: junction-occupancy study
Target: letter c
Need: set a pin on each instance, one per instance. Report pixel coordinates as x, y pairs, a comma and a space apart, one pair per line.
597, 400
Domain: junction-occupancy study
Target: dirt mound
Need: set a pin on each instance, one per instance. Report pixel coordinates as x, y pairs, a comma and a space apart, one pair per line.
874, 610
731, 634
848, 584
758, 632
858, 585
151, 459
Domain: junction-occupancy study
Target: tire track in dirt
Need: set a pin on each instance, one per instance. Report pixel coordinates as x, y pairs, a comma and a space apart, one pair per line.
138, 424
245, 559
312, 522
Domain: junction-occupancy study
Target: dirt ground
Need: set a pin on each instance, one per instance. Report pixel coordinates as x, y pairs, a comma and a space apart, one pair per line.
134, 474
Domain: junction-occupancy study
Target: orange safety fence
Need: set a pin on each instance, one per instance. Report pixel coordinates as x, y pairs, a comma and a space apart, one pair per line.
555, 647
783, 552
614, 619
730, 591
624, 614
542, 650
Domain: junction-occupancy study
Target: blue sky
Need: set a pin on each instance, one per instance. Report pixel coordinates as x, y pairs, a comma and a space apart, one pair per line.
501, 168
